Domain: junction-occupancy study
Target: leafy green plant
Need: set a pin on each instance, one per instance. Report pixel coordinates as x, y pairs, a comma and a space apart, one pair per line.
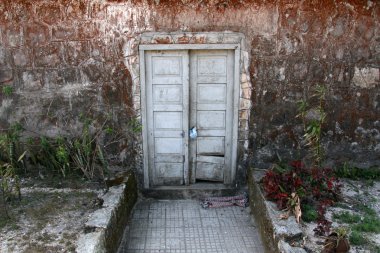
9, 183
11, 162
11, 147
352, 172
309, 213
313, 127
87, 154
66, 155
135, 125
366, 210
347, 217
7, 90
369, 224
357, 238
50, 153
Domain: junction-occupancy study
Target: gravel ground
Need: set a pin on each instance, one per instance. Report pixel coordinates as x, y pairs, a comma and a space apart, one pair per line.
46, 219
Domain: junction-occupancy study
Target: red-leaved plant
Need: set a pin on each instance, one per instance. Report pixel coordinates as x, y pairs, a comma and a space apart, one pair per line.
313, 185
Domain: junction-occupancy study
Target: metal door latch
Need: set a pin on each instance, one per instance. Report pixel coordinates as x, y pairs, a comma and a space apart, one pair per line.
193, 133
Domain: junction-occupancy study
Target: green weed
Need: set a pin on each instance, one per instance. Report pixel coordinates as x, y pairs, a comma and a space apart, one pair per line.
7, 90
356, 238
309, 213
347, 217
351, 172
365, 209
369, 224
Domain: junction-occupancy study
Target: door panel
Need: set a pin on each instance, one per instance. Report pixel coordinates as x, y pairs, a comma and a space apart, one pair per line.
210, 146
167, 85
167, 94
210, 111
168, 121
210, 171
218, 92
169, 170
211, 120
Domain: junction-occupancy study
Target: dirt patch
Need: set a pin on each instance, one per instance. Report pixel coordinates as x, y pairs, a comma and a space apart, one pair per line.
46, 219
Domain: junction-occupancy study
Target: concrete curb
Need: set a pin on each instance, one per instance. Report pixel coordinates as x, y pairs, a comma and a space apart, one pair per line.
104, 229
276, 233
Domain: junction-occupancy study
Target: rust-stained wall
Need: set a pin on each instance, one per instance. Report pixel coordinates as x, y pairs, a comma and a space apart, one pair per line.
64, 58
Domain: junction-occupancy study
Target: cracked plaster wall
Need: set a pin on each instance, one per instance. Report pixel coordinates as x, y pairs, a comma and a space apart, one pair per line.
65, 58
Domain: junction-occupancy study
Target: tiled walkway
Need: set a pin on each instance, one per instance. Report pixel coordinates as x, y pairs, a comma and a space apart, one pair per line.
183, 226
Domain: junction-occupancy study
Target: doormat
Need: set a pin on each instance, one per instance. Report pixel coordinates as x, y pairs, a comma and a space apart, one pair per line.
214, 202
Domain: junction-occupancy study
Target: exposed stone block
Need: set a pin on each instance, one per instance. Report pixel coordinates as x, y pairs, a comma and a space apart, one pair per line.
183, 39
50, 13
15, 11
49, 55
243, 135
231, 38
77, 52
4, 58
364, 28
341, 26
245, 93
263, 46
87, 30
92, 71
69, 75
98, 10
244, 78
162, 39
52, 78
13, 36
31, 80
289, 44
21, 57
64, 31
245, 85
244, 114
245, 104
300, 71
6, 75
77, 9
1, 35
36, 34
366, 77
147, 38
97, 50
214, 38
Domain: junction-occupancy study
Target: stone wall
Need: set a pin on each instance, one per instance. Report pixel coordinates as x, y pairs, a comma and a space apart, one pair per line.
69, 58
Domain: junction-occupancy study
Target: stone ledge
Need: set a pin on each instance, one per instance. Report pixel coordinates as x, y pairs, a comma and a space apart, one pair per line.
104, 229
276, 233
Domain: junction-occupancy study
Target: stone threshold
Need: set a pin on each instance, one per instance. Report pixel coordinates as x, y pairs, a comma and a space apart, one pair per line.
276, 232
193, 191
104, 228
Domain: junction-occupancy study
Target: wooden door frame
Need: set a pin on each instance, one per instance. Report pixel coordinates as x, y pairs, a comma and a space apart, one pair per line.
229, 179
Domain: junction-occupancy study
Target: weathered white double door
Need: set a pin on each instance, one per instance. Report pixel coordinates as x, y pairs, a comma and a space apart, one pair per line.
189, 89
